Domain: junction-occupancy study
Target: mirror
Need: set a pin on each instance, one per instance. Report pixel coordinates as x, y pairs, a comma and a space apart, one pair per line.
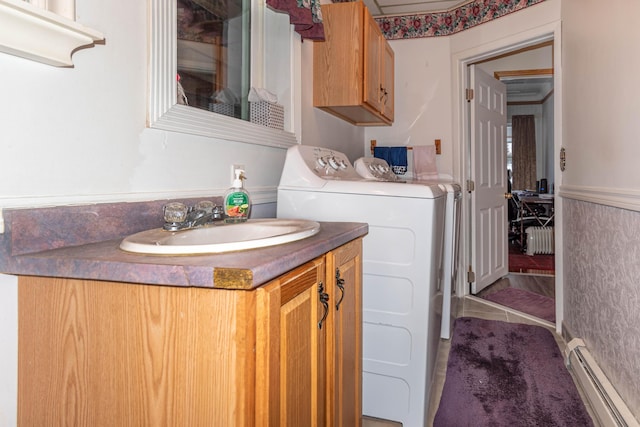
213, 55
164, 112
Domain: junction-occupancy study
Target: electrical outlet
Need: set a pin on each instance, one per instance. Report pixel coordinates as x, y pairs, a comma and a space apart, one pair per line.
233, 170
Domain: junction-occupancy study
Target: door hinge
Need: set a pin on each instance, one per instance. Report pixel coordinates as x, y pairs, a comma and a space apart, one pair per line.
469, 95
471, 276
471, 186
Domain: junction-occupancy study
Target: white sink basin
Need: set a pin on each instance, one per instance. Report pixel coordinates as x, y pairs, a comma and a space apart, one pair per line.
255, 233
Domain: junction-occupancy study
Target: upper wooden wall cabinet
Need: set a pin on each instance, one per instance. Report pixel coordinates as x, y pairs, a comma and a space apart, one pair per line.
353, 67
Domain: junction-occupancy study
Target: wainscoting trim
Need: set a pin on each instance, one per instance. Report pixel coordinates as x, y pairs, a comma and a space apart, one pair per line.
266, 194
616, 197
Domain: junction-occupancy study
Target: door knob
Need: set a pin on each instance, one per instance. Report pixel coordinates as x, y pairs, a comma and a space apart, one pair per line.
508, 195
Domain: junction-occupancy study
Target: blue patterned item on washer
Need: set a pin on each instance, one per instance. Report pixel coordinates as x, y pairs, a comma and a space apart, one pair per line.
396, 157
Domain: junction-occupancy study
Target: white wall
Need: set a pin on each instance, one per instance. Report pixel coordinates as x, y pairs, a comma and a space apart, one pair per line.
422, 89
602, 179
601, 124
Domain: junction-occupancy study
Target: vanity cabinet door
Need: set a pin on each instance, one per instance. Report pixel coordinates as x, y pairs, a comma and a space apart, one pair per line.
344, 272
291, 348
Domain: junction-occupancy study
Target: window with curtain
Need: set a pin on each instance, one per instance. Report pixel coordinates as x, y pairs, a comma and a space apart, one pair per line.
304, 15
523, 140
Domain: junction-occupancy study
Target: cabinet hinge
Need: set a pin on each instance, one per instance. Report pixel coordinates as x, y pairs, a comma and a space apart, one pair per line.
469, 95
471, 276
471, 186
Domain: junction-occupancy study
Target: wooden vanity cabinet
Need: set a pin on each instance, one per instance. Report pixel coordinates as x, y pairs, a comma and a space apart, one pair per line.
353, 68
98, 353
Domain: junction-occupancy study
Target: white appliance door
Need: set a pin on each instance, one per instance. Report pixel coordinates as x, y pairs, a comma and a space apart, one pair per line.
489, 228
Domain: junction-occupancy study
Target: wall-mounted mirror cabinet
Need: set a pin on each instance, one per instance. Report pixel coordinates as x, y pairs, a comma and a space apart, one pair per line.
204, 58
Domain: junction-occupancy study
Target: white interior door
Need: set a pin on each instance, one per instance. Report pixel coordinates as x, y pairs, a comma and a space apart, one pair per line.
489, 229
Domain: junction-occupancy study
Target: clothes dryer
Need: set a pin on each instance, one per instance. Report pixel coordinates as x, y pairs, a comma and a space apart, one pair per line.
401, 322
378, 169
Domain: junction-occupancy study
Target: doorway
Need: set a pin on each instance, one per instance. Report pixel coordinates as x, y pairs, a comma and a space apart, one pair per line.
497, 56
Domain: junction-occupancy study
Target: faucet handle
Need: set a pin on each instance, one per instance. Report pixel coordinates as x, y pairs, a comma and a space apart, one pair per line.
175, 212
205, 205
218, 212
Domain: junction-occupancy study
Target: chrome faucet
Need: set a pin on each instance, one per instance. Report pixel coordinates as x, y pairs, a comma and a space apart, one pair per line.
178, 216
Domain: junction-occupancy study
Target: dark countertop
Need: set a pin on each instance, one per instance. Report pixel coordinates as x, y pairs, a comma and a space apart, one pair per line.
233, 270
83, 242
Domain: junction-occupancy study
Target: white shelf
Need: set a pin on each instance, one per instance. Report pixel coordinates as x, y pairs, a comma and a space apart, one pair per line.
37, 34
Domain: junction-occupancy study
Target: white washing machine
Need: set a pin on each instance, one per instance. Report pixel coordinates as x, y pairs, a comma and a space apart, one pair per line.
401, 254
378, 169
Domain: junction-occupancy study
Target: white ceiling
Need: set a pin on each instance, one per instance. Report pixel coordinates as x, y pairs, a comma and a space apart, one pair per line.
409, 7
531, 89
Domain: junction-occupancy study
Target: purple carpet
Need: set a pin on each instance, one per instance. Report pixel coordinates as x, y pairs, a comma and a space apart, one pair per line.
525, 301
507, 374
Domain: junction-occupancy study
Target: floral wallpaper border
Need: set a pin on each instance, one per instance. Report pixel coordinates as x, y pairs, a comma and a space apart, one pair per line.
451, 21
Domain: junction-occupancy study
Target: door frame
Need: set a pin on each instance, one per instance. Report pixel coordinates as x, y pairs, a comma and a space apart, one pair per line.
461, 139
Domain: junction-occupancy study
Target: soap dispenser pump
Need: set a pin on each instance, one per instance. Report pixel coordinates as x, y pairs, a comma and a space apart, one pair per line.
236, 201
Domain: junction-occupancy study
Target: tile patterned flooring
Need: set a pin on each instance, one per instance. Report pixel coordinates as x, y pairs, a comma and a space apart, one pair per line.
540, 284
477, 307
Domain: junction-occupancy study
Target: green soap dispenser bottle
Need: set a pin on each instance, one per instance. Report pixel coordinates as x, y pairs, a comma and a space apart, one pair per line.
236, 201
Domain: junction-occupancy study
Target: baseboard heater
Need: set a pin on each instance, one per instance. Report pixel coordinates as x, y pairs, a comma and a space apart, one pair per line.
604, 400
540, 240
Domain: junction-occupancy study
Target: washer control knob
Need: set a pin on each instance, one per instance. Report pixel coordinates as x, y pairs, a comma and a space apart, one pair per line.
321, 162
333, 163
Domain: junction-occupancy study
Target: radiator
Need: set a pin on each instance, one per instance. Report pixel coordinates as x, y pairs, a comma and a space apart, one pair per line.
540, 240
606, 404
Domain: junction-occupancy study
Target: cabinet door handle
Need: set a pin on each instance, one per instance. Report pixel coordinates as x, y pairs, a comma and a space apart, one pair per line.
324, 300
383, 94
340, 283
